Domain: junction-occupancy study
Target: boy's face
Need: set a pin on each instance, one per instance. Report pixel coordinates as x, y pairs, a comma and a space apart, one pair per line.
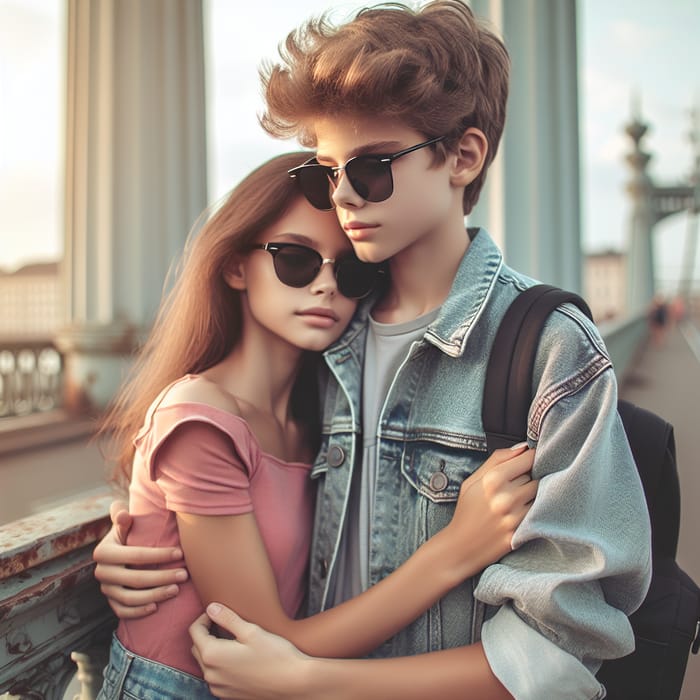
424, 205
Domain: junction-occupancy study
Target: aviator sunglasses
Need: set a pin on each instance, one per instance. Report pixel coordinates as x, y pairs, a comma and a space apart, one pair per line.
369, 175
298, 265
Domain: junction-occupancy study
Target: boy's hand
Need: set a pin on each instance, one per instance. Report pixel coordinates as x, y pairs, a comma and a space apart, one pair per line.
492, 503
255, 664
134, 592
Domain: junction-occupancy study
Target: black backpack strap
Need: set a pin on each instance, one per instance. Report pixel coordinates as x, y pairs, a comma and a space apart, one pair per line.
508, 387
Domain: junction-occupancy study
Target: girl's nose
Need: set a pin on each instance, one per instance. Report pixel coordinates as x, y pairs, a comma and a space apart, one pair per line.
325, 281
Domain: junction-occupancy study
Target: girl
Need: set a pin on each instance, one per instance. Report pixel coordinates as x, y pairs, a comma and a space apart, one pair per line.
219, 467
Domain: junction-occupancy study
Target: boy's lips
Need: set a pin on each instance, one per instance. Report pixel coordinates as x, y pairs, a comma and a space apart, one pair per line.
357, 230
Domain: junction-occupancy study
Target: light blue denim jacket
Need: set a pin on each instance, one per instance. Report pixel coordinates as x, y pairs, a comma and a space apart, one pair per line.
551, 610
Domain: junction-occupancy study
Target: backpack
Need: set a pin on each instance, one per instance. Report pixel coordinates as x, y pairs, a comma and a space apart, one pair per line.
667, 623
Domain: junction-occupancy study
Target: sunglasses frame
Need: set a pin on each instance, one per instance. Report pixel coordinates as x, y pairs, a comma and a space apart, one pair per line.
332, 171
275, 247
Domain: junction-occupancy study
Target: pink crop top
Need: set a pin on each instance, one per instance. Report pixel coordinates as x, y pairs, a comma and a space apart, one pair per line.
233, 475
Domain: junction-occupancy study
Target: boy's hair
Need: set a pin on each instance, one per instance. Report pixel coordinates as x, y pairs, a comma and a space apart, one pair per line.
438, 70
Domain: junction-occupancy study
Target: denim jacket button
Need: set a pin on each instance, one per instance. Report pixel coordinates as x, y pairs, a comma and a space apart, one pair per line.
336, 456
438, 482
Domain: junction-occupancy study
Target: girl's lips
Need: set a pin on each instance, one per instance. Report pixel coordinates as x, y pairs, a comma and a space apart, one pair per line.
319, 311
319, 317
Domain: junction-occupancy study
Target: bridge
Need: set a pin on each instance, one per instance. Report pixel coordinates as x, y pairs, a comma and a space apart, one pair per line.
53, 620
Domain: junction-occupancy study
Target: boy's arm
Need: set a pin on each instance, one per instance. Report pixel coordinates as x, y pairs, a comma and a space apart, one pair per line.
582, 562
582, 566
134, 592
264, 666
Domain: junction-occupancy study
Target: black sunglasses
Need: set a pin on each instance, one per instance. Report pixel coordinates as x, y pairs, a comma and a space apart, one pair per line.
369, 175
298, 265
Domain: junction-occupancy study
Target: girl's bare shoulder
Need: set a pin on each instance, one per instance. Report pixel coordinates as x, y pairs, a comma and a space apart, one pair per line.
201, 390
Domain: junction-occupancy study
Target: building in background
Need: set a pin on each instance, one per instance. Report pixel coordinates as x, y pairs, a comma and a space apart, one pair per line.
604, 284
30, 302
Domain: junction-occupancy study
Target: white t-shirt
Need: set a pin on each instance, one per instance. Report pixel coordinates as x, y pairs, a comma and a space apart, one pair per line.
387, 347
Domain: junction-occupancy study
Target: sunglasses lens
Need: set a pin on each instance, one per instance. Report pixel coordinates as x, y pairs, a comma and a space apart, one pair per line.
296, 266
370, 178
355, 278
315, 186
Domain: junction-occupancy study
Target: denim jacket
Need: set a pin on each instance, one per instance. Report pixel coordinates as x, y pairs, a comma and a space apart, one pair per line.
551, 610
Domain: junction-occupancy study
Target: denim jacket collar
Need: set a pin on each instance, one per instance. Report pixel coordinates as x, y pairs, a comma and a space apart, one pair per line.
471, 289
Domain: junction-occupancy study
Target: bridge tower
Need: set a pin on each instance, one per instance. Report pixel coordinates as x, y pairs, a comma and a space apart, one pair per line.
651, 203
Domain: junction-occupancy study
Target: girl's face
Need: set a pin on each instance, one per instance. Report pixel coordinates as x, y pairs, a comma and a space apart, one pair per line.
310, 316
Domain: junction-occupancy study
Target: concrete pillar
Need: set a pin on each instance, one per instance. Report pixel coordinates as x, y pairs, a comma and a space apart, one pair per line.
135, 175
531, 202
640, 253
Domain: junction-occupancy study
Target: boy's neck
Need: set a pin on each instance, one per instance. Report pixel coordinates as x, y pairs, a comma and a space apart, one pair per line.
421, 278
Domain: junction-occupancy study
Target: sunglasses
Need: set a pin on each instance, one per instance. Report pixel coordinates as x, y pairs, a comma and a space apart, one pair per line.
369, 175
298, 265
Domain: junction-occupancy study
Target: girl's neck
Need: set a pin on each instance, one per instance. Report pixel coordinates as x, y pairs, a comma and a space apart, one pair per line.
261, 381
260, 377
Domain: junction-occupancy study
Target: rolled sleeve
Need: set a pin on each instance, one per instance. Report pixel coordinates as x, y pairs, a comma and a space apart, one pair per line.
511, 646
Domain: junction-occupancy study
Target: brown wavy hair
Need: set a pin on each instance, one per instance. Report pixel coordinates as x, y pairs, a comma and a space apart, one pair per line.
438, 70
199, 319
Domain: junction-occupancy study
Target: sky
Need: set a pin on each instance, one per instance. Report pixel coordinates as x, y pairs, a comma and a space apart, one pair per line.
644, 48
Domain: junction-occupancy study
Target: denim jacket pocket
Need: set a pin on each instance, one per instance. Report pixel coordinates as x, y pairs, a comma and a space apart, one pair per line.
437, 471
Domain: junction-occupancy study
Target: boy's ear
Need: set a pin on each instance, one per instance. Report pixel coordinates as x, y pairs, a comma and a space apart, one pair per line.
234, 273
469, 158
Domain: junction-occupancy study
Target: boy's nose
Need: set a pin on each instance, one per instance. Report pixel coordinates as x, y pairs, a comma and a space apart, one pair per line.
344, 196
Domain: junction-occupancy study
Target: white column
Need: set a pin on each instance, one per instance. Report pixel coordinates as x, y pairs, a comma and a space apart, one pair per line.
640, 251
135, 175
531, 201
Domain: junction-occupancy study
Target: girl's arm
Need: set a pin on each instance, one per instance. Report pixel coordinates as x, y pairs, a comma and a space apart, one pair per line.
228, 563
262, 666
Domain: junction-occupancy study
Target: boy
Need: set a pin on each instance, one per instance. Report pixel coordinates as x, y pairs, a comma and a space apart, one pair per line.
405, 110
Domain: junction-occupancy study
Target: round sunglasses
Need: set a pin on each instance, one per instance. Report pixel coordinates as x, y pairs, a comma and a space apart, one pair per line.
298, 265
370, 176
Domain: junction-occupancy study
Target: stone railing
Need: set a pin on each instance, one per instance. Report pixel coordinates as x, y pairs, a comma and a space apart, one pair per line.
31, 377
54, 622
624, 339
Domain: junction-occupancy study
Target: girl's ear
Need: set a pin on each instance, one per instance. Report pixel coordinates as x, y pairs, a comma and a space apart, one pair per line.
469, 159
234, 273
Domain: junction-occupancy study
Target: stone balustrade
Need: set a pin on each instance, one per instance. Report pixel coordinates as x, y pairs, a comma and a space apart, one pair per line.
54, 622
31, 377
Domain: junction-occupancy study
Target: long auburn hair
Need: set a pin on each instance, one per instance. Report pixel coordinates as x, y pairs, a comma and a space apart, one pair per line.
199, 320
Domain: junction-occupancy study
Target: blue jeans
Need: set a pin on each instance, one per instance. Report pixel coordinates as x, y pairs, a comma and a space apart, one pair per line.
129, 676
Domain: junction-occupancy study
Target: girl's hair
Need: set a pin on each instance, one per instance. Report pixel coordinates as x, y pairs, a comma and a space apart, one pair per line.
438, 70
199, 319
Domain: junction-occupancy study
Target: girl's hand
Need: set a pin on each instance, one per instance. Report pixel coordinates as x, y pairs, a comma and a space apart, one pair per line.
254, 664
492, 503
134, 592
